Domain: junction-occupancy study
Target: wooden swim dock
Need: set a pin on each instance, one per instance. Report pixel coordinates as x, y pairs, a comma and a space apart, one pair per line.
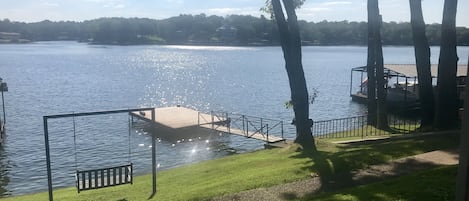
181, 122
176, 117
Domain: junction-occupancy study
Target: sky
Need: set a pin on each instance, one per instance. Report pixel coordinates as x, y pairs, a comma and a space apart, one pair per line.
312, 10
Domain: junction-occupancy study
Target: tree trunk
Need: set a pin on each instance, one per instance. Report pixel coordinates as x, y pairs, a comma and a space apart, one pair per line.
291, 47
462, 180
382, 114
447, 100
371, 80
422, 60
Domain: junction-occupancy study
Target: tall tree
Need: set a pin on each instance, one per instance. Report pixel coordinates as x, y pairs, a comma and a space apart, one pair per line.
447, 100
371, 67
422, 60
382, 115
371, 74
291, 47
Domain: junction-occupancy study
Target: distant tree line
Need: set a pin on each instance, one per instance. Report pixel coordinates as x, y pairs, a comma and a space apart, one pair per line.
213, 30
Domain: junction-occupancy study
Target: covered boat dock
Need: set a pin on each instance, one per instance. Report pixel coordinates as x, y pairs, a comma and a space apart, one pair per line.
402, 82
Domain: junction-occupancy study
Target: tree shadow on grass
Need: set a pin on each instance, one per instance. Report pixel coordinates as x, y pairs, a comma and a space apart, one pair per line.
356, 164
414, 183
327, 168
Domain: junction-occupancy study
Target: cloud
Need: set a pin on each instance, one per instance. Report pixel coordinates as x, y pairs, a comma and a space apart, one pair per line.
50, 4
99, 1
230, 11
113, 4
116, 4
175, 1
119, 6
333, 11
323, 7
334, 3
224, 10
315, 9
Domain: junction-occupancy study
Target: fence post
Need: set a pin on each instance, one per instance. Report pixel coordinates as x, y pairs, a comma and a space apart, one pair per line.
344, 133
321, 130
363, 126
247, 127
281, 125
211, 114
331, 129
312, 129
226, 118
267, 131
244, 127
229, 123
198, 118
346, 127
262, 128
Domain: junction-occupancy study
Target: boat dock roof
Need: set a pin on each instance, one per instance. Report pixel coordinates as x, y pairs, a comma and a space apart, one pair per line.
410, 70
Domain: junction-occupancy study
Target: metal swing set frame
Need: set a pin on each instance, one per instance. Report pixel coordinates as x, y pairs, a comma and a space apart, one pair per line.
104, 177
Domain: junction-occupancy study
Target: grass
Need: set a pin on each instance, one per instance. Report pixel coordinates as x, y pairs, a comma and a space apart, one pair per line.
350, 139
369, 132
257, 169
430, 185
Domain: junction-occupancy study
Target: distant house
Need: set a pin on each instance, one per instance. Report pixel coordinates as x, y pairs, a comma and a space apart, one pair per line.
226, 33
9, 36
12, 37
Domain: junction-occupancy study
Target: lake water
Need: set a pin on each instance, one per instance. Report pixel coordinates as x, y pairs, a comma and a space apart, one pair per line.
62, 77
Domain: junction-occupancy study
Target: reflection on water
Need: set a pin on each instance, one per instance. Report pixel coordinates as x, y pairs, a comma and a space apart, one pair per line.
4, 179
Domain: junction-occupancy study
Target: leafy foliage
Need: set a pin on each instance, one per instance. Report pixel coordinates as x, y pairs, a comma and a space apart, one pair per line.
312, 97
213, 30
270, 10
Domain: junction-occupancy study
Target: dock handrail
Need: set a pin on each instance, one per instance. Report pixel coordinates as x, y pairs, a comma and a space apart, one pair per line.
247, 124
218, 117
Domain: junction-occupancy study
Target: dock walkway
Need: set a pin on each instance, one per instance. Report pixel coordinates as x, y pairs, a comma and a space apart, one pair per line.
248, 134
181, 121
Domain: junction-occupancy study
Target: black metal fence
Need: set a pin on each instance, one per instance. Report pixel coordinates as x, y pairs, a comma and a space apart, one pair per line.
358, 127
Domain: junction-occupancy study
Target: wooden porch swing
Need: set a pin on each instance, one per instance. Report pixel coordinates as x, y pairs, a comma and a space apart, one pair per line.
103, 177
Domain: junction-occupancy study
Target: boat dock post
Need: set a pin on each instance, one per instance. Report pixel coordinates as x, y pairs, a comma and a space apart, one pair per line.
3, 87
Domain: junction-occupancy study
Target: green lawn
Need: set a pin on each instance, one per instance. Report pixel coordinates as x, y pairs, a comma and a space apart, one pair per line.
257, 169
430, 185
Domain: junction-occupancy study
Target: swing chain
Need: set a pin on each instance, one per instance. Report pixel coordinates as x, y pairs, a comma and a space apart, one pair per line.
75, 143
130, 127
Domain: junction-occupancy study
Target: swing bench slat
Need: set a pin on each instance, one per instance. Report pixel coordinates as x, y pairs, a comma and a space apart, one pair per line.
104, 177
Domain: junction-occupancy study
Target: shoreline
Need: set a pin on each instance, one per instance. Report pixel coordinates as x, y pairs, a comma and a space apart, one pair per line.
206, 44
